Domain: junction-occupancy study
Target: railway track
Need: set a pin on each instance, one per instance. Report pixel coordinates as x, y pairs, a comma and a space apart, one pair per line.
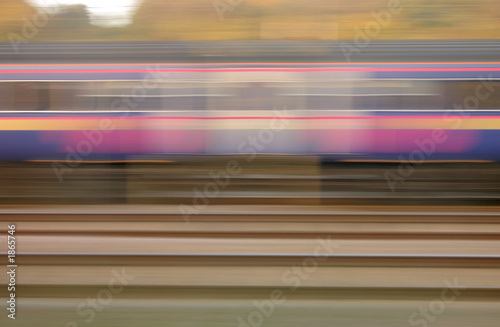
61, 216
329, 265
257, 259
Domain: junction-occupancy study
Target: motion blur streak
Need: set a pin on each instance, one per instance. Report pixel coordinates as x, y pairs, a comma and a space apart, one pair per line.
217, 271
230, 163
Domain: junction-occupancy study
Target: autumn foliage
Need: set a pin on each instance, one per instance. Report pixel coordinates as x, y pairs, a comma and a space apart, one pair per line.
205, 20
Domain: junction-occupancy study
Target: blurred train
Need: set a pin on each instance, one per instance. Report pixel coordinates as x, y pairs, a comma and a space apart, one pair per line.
358, 111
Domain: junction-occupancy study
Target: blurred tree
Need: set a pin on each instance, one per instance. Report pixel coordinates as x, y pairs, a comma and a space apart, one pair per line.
72, 17
70, 23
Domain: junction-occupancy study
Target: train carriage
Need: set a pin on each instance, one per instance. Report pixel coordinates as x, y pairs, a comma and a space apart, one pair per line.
359, 111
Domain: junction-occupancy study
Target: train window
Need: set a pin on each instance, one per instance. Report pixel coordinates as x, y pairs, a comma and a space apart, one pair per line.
7, 96
362, 95
327, 102
116, 96
290, 96
167, 96
222, 96
187, 97
249, 95
24, 96
36, 96
255, 96
389, 102
242, 96
63, 96
314, 96
472, 95
431, 102
31, 96
365, 102
394, 95
409, 101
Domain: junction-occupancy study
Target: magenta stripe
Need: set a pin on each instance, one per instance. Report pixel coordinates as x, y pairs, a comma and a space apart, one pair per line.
261, 117
109, 71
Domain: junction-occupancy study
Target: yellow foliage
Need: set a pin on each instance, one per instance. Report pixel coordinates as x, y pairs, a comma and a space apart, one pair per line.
189, 20
13, 14
264, 3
